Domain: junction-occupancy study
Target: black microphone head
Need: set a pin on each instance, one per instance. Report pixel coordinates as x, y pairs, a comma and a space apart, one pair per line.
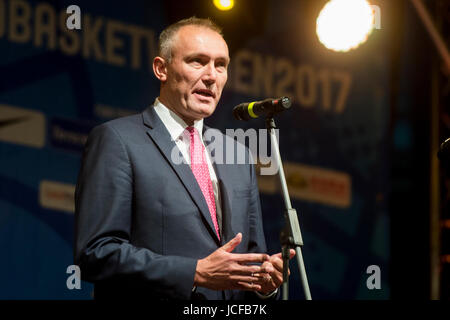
268, 107
240, 112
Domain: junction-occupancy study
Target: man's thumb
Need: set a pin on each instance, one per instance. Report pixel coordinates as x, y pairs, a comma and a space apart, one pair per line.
233, 243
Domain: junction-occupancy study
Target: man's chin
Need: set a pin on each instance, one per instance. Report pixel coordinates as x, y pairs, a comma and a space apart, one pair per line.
205, 110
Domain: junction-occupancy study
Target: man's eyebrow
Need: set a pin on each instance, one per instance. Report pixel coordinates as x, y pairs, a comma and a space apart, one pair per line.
224, 59
204, 55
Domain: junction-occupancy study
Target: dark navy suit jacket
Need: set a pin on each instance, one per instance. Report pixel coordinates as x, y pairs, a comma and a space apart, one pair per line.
141, 221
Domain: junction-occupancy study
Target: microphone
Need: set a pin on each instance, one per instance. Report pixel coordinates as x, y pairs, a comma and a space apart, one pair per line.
252, 110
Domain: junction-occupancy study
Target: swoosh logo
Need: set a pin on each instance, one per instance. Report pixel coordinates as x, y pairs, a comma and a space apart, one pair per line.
13, 121
8, 122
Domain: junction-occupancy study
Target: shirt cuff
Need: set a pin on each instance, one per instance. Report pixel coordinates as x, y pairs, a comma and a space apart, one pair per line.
267, 295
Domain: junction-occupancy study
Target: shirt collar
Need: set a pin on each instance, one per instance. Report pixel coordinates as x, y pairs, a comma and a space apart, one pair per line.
174, 124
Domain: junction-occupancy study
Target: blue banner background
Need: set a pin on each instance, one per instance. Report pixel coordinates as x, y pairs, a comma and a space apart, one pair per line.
73, 93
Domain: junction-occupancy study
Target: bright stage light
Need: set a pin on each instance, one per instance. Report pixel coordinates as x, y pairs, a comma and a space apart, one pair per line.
224, 5
343, 25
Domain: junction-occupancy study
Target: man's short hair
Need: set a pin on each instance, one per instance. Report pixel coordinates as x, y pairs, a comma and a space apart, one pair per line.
166, 37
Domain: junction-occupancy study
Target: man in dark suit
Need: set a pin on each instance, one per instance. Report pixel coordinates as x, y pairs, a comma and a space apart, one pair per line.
147, 225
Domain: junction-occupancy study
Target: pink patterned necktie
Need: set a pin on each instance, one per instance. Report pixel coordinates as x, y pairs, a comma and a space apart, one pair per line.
200, 169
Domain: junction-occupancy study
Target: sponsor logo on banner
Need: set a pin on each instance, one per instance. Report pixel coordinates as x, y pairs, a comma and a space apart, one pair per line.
57, 196
69, 134
22, 126
311, 183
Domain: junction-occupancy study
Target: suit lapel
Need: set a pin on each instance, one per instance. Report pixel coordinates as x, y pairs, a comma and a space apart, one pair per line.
226, 192
227, 230
161, 137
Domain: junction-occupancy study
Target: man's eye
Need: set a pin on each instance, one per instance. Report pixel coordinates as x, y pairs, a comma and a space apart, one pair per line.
196, 61
221, 67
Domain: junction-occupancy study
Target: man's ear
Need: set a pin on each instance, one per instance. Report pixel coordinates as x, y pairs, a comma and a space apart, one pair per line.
160, 68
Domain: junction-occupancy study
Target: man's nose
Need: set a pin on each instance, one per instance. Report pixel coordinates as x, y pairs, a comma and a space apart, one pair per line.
210, 74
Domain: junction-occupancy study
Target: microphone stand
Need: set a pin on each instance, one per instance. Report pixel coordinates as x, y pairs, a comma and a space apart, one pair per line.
290, 236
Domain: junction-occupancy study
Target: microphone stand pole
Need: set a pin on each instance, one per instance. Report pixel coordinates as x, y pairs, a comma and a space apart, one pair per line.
290, 236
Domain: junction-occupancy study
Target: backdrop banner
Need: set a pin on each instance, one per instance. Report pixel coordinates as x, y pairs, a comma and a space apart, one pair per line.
56, 84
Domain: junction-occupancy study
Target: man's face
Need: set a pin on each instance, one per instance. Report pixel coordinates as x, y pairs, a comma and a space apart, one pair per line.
196, 73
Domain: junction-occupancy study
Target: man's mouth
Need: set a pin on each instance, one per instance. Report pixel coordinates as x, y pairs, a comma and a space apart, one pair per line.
205, 93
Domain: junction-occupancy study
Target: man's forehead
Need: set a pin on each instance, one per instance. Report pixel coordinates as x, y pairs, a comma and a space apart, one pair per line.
193, 36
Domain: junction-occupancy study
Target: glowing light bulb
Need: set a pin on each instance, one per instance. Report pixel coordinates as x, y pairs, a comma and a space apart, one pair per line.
224, 5
343, 25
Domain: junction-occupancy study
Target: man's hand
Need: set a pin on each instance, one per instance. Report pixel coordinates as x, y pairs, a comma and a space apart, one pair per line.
223, 270
269, 282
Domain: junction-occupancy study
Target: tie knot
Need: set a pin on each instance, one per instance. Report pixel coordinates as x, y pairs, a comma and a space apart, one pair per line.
191, 130
192, 133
